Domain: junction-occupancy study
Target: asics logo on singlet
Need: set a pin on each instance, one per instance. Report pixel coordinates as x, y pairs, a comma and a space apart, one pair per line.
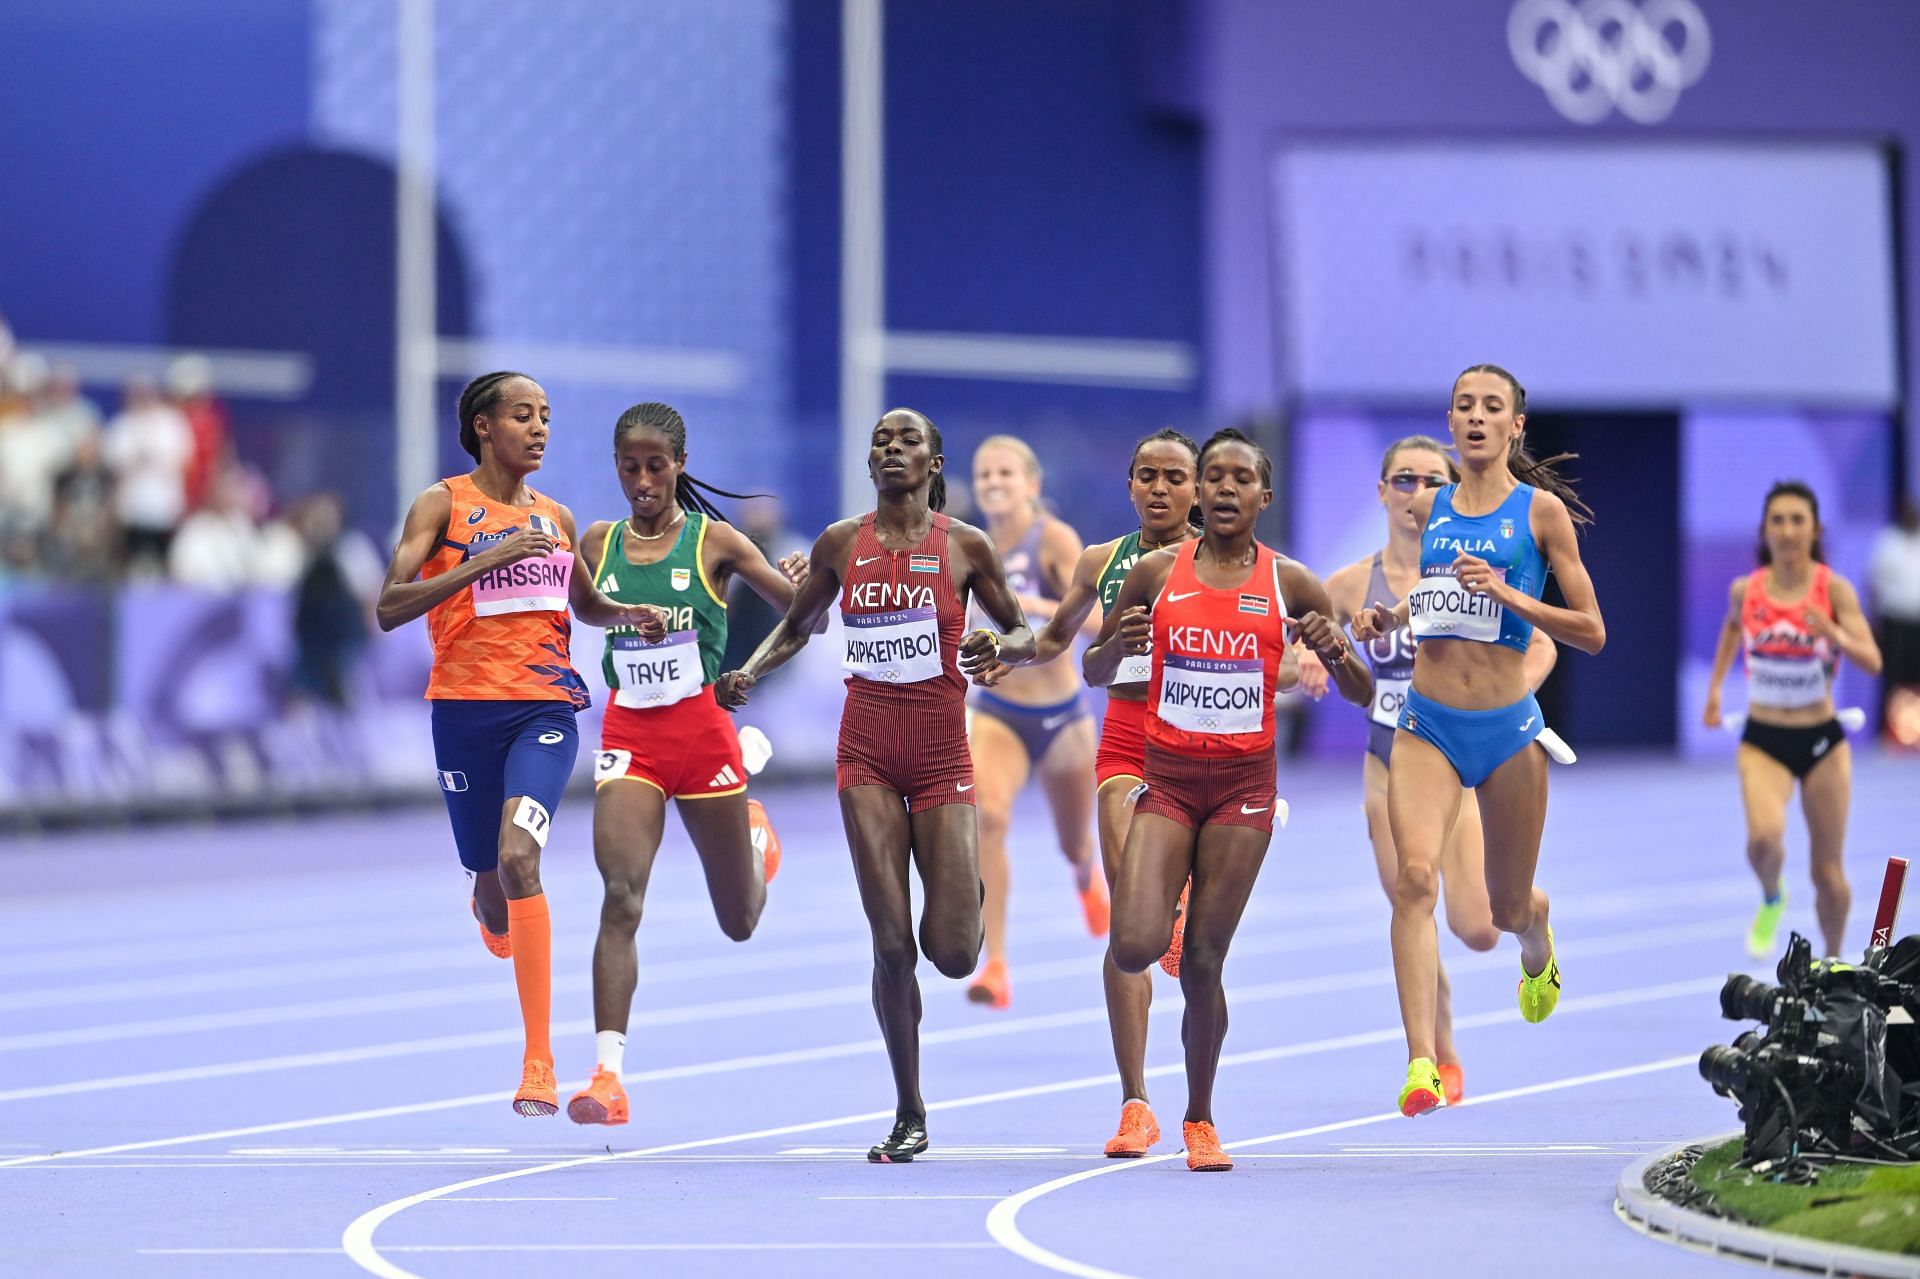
1472, 546
477, 514
889, 595
1202, 641
868, 560
1175, 597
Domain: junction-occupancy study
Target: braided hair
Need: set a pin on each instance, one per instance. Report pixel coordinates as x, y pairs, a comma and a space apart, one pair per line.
1167, 434
480, 395
937, 489
1542, 473
1233, 435
690, 493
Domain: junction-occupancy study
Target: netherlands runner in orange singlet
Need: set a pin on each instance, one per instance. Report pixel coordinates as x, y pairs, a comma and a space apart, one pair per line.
1214, 613
497, 567
903, 573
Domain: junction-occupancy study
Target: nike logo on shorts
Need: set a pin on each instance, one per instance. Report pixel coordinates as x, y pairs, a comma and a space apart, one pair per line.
1529, 724
1251, 811
870, 559
1181, 595
963, 789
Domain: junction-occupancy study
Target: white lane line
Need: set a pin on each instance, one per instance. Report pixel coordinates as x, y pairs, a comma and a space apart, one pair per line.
358, 1237
1003, 1218
528, 1199
915, 1198
720, 1010
862, 1245
777, 960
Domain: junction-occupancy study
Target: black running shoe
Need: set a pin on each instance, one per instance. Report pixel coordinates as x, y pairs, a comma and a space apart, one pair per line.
908, 1138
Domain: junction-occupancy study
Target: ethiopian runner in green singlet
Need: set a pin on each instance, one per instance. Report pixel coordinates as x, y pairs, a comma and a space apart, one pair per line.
665, 737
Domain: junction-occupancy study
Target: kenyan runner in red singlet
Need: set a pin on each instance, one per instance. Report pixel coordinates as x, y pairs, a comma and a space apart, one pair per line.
903, 574
1215, 615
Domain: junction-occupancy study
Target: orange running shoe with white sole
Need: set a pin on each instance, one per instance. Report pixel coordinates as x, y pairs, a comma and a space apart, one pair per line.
1139, 1130
991, 986
602, 1101
1170, 962
1453, 1082
1096, 905
539, 1095
765, 842
1203, 1149
499, 945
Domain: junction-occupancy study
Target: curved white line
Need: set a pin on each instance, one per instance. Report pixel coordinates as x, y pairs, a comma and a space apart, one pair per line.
1003, 1218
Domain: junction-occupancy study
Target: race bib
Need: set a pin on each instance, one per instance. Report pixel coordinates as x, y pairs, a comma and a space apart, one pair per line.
1135, 668
656, 674
899, 647
1389, 695
1785, 683
531, 586
1212, 695
1439, 607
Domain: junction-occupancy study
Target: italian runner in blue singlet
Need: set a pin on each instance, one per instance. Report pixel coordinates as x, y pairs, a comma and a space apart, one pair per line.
1470, 718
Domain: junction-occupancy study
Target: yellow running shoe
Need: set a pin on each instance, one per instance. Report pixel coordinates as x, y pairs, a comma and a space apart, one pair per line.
1540, 992
1423, 1091
1766, 924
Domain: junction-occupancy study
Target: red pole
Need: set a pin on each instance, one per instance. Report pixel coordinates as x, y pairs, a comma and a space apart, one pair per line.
1890, 889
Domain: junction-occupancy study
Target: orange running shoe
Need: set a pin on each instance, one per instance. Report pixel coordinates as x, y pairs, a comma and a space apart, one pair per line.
1203, 1149
602, 1101
765, 842
991, 987
498, 944
538, 1094
1096, 905
1453, 1082
1138, 1131
1170, 962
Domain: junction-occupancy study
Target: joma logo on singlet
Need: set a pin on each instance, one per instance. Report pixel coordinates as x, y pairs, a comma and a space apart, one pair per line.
1471, 545
889, 595
679, 618
1201, 641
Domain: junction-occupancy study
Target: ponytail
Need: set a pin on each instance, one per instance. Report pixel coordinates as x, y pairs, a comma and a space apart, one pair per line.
1542, 473
690, 493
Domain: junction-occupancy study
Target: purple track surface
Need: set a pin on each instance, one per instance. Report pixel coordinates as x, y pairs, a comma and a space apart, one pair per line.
279, 1048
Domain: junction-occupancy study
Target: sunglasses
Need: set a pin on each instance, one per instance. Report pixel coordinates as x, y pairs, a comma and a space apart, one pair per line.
1407, 481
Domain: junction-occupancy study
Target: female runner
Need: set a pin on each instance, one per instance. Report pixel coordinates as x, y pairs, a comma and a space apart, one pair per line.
1033, 720
664, 729
1160, 482
904, 573
498, 566
1214, 614
1797, 617
1411, 465
1469, 715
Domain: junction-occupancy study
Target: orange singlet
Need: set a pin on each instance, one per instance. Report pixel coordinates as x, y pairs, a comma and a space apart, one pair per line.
507, 638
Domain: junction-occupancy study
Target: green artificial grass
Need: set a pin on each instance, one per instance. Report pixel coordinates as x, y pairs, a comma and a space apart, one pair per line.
1861, 1205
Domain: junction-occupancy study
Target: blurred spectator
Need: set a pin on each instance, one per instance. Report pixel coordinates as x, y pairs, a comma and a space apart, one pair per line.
48, 424
190, 383
218, 547
1894, 581
83, 541
333, 600
149, 446
749, 618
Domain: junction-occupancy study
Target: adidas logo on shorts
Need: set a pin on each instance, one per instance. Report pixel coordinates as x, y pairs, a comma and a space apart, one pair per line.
725, 777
